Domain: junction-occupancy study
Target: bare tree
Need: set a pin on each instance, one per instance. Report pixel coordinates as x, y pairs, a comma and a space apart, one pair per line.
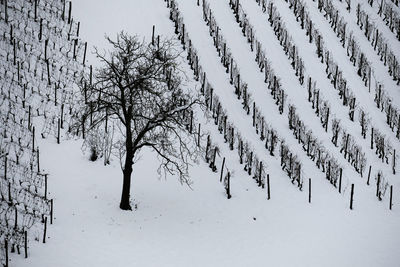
141, 89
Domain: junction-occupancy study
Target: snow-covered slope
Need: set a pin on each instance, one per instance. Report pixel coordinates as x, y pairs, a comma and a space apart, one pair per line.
173, 225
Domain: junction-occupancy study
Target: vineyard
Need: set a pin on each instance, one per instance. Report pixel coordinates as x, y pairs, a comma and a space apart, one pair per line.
300, 134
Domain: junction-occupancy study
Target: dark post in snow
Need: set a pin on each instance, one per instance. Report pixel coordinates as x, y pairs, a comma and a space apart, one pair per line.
63, 11
40, 29
377, 184
48, 72
5, 11
6, 250
29, 118
58, 131
62, 116
309, 190
254, 114
191, 122
84, 54
228, 185
351, 196
16, 219
260, 175
46, 42
369, 174
51, 211
26, 244
90, 77
340, 180
268, 188
83, 128
78, 27
38, 165
198, 136
15, 52
55, 94
9, 192
45, 186
222, 169
45, 229
74, 50
69, 12
5, 168
35, 9
152, 35
394, 162
391, 197
33, 139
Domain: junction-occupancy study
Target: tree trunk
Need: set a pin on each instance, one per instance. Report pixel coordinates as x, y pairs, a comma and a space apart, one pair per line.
126, 186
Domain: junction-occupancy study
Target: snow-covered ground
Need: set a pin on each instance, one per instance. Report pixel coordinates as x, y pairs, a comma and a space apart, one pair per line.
173, 225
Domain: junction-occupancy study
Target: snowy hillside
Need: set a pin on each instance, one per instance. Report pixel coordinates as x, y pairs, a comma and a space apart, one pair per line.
300, 136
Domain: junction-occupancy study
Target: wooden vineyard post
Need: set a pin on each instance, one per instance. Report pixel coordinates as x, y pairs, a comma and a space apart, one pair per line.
222, 169
191, 122
78, 27
38, 163
58, 131
213, 167
268, 188
232, 139
198, 136
74, 50
29, 117
69, 12
106, 124
5, 168
203, 85
9, 192
394, 162
46, 42
369, 174
260, 175
90, 78
391, 197
309, 190
377, 185
33, 139
45, 186
254, 114
55, 94
36, 9
24, 97
84, 54
16, 219
228, 186
152, 35
45, 229
83, 129
40, 29
51, 211
48, 72
6, 251
351, 196
63, 11
15, 53
26, 244
62, 116
5, 11
340, 180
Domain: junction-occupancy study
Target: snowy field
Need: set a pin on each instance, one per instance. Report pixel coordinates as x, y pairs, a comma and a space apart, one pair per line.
174, 225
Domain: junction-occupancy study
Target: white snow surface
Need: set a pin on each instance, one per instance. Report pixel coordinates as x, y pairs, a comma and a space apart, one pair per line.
173, 225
